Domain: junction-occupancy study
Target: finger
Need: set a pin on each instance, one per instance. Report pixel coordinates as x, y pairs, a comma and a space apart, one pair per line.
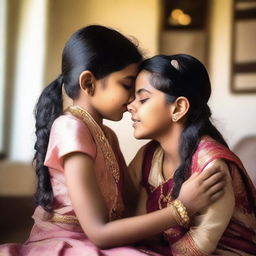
213, 167
208, 173
216, 196
213, 179
216, 188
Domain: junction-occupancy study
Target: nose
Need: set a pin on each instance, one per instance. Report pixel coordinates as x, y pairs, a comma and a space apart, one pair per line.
131, 106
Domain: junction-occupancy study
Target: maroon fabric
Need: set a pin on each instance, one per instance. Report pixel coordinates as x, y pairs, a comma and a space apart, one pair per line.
237, 235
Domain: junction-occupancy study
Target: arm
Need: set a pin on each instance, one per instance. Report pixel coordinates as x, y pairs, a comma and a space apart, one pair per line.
92, 213
142, 200
209, 225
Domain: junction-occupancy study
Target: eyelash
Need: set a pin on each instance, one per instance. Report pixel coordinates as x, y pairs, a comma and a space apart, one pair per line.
127, 87
143, 100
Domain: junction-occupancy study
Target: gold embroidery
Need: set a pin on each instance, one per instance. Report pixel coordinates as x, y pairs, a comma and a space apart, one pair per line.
65, 219
163, 199
108, 154
186, 247
100, 136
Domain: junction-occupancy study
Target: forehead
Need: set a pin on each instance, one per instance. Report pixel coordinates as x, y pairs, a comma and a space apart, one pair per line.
129, 71
143, 80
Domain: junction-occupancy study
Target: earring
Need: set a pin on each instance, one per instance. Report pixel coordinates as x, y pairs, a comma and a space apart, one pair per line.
91, 89
174, 119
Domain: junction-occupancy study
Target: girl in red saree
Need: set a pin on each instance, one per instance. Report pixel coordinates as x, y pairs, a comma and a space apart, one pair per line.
79, 165
171, 109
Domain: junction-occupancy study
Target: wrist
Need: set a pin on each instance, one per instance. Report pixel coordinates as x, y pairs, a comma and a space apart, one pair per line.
181, 214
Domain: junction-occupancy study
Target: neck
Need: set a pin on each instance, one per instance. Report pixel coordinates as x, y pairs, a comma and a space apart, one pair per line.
170, 144
87, 107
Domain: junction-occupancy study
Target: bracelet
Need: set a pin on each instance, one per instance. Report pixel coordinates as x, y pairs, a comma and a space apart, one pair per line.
181, 215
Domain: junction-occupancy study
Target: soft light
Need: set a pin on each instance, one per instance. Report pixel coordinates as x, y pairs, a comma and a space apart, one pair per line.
176, 13
184, 19
178, 17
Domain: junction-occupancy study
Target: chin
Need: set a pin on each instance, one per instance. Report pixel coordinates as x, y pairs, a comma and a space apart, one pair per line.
139, 136
116, 118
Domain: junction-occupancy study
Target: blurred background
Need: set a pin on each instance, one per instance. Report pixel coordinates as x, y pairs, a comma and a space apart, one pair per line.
220, 33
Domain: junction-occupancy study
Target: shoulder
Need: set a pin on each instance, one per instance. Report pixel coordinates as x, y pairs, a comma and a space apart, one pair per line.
68, 134
212, 153
68, 126
217, 164
67, 121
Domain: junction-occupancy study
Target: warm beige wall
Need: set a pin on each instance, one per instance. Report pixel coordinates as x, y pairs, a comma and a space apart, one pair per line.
139, 19
12, 20
235, 114
193, 42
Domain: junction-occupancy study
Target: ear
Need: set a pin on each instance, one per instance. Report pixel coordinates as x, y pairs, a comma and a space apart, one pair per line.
86, 81
179, 108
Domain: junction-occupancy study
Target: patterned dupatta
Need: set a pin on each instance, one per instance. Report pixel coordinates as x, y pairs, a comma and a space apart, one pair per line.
110, 180
241, 231
240, 234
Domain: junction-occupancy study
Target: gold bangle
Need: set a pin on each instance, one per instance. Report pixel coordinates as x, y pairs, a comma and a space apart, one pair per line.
182, 217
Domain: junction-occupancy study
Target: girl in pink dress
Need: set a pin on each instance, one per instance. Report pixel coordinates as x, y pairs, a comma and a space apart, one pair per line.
171, 108
79, 166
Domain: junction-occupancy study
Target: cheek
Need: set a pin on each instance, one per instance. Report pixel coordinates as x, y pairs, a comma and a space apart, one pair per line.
120, 96
155, 117
155, 110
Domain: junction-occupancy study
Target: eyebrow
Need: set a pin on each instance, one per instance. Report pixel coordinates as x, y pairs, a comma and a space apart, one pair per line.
142, 90
130, 77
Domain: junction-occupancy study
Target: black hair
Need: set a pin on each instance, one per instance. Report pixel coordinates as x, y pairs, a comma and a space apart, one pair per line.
98, 49
183, 75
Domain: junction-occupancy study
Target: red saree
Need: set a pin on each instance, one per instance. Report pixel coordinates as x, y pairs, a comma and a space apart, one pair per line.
239, 237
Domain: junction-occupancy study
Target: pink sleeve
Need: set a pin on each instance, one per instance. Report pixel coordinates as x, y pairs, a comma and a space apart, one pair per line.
68, 134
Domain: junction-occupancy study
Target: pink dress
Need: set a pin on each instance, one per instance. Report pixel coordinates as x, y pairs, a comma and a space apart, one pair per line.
59, 232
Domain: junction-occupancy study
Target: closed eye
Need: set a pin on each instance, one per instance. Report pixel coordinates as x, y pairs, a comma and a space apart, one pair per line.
127, 87
143, 100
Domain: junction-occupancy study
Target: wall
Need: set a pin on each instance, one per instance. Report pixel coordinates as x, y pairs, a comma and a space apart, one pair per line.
139, 19
193, 42
234, 114
3, 33
24, 73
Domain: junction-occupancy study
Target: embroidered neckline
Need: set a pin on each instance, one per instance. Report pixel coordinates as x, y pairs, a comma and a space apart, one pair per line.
108, 154
100, 136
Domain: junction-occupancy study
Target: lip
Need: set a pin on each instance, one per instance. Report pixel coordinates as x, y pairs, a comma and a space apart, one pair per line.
135, 122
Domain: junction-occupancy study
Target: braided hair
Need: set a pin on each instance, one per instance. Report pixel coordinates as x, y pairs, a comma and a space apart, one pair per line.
96, 48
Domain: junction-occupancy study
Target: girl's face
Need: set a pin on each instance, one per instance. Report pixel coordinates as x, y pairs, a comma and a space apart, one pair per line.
150, 111
114, 92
